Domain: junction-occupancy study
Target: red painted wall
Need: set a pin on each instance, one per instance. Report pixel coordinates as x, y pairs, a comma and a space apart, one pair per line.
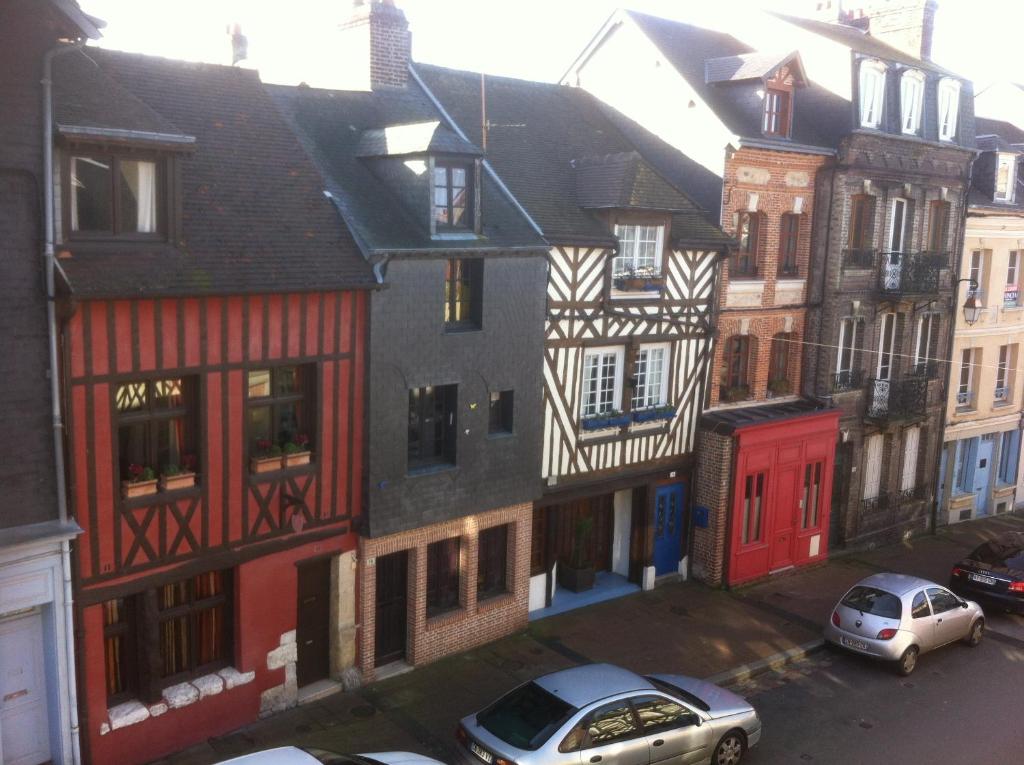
230, 513
781, 450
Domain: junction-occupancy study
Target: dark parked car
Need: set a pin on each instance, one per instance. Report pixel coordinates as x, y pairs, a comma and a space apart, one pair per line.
993, 573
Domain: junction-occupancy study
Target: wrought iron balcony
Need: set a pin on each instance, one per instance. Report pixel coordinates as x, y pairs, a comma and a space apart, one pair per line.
905, 273
893, 500
894, 400
851, 379
859, 258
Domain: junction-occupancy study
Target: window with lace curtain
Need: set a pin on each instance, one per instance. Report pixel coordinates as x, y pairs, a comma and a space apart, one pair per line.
111, 196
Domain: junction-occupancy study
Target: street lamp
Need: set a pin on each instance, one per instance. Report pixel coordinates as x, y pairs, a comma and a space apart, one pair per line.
972, 309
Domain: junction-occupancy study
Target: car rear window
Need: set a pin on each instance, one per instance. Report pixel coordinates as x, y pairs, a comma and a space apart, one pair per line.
1006, 552
525, 717
869, 600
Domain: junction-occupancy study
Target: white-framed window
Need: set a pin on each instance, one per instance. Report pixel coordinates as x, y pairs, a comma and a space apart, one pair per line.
651, 376
911, 99
873, 465
1011, 293
602, 381
911, 444
968, 359
949, 108
1005, 177
1009, 457
639, 250
1004, 373
976, 271
927, 347
872, 93
886, 339
897, 224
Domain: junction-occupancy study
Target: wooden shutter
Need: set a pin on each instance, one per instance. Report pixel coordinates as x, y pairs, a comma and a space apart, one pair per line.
911, 442
872, 465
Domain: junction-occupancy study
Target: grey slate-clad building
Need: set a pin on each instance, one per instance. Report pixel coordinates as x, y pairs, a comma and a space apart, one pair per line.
456, 354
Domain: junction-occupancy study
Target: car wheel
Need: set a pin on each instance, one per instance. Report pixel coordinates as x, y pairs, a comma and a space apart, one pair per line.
729, 750
977, 632
908, 661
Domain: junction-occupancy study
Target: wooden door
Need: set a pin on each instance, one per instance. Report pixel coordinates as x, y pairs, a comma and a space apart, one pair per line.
783, 516
314, 621
600, 511
24, 724
392, 607
668, 529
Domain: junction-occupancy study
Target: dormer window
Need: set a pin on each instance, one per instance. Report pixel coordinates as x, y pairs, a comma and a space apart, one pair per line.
1006, 165
911, 99
639, 251
113, 196
872, 92
453, 196
949, 108
776, 113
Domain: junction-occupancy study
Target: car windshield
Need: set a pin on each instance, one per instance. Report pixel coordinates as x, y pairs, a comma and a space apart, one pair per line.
675, 690
868, 600
525, 717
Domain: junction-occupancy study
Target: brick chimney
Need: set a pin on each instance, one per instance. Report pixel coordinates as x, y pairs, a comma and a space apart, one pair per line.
375, 46
906, 25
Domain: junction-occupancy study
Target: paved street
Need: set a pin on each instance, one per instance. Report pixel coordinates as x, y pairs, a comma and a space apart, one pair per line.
960, 706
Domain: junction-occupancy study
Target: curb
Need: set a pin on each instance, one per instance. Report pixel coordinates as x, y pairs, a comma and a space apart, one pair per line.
776, 661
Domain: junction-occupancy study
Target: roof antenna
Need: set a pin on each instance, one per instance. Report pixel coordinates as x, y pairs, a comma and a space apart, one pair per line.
484, 125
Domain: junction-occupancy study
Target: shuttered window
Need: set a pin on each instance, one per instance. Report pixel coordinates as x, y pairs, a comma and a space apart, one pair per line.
873, 466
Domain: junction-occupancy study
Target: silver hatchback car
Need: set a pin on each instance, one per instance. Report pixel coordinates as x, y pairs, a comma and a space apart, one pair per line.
897, 618
603, 714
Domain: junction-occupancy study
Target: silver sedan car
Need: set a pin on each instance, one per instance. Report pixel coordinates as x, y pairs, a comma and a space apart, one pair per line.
603, 714
897, 618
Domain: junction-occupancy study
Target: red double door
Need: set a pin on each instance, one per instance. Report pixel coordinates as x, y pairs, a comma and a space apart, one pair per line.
781, 495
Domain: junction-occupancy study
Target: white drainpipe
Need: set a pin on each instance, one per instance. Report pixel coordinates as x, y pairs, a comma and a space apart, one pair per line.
58, 424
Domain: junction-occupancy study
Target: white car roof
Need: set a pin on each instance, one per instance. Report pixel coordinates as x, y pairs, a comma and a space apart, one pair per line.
285, 755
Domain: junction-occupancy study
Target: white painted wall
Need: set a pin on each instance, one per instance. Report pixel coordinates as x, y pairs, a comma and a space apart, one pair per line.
623, 506
537, 599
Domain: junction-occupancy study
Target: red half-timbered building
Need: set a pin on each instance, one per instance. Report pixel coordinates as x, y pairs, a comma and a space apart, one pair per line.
215, 318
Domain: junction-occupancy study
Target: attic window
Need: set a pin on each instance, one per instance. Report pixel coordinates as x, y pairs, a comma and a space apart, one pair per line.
949, 108
113, 196
453, 196
1005, 177
911, 98
872, 91
776, 113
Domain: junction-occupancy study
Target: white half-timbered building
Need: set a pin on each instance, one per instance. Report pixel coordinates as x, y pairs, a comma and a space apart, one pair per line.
632, 276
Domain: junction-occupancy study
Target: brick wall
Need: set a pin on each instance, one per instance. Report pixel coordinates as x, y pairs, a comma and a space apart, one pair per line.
712, 479
474, 622
376, 47
779, 180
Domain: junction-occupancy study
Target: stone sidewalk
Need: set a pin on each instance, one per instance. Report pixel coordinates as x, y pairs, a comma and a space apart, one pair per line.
682, 627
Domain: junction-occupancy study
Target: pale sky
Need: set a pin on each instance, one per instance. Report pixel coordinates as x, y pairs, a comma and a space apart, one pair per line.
533, 39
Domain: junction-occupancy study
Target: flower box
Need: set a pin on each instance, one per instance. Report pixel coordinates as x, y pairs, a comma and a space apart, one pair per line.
638, 283
658, 413
133, 489
296, 458
264, 464
177, 481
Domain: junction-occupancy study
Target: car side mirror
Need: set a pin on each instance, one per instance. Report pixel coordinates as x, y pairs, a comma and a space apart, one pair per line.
963, 604
696, 719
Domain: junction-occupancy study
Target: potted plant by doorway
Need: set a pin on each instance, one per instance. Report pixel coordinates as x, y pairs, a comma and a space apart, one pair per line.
141, 481
577, 574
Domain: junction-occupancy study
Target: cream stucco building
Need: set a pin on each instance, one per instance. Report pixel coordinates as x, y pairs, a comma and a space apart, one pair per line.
981, 456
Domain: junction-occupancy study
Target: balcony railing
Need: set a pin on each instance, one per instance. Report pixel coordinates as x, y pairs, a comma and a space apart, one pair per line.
851, 379
1001, 394
904, 273
859, 258
964, 397
892, 400
893, 500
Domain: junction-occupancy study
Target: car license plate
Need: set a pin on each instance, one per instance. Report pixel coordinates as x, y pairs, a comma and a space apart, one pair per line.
849, 643
482, 753
981, 578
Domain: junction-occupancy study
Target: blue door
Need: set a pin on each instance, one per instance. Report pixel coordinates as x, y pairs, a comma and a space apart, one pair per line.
668, 529
982, 473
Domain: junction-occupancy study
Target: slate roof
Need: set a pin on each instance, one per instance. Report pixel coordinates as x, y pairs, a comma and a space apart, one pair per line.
336, 126
745, 66
996, 136
545, 141
861, 41
997, 143
417, 138
1006, 131
727, 421
819, 116
90, 26
254, 215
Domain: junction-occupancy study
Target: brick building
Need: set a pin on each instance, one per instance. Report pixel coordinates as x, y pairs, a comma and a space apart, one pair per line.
214, 329
38, 713
456, 351
753, 120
